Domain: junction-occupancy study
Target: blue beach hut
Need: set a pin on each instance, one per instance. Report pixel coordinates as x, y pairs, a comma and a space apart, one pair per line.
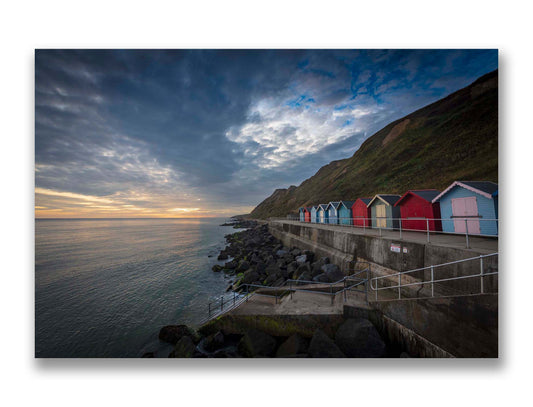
345, 212
302, 214
333, 214
314, 215
469, 206
322, 213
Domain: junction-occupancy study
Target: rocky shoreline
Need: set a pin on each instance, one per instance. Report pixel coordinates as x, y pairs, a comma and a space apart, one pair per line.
256, 257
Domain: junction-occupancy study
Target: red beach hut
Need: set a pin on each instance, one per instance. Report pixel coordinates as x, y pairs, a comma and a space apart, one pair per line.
416, 207
307, 214
361, 212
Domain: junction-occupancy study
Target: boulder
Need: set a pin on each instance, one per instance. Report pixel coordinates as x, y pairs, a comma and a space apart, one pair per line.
321, 278
301, 259
229, 352
322, 346
256, 343
294, 345
302, 269
173, 333
291, 268
148, 355
333, 272
213, 342
243, 266
231, 265
184, 348
222, 256
217, 268
281, 253
250, 276
358, 338
296, 252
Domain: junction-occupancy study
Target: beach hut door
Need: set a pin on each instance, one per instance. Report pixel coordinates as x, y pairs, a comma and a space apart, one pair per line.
381, 215
465, 208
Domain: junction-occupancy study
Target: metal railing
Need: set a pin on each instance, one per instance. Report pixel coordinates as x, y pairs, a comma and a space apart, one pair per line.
433, 281
349, 283
463, 226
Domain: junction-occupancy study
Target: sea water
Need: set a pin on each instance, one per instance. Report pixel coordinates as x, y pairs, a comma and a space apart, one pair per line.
104, 288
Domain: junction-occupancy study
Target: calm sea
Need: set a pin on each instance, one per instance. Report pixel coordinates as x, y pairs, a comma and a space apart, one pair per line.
104, 288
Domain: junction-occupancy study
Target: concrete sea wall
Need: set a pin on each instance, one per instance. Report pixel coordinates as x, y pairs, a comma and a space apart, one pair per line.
344, 248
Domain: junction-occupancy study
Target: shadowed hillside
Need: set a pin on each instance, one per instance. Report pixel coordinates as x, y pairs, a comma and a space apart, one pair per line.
455, 138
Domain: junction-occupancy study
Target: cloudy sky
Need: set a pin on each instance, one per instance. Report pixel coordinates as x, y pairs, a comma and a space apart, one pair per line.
126, 133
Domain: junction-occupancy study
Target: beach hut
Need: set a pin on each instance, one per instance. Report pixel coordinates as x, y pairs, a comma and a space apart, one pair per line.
417, 210
345, 212
469, 206
307, 214
322, 213
301, 211
333, 212
361, 212
383, 212
314, 214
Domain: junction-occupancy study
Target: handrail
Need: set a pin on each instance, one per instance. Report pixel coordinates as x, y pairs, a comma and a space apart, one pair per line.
244, 298
432, 225
481, 275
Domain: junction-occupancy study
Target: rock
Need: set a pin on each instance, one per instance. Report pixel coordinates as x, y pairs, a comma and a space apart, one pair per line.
291, 268
279, 282
310, 255
250, 276
173, 333
231, 265
148, 355
296, 252
214, 342
294, 345
333, 272
256, 343
302, 269
273, 270
217, 268
229, 352
230, 287
358, 338
222, 256
322, 346
405, 355
281, 253
301, 259
321, 278
243, 266
184, 348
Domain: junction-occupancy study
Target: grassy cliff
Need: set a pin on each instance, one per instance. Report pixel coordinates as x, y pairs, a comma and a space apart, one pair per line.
455, 138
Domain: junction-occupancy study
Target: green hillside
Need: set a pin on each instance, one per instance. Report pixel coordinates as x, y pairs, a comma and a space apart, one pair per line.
455, 138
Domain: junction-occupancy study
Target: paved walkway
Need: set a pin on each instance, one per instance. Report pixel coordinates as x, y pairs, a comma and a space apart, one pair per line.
480, 244
301, 303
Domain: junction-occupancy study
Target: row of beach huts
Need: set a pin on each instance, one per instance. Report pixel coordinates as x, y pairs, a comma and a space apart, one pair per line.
464, 207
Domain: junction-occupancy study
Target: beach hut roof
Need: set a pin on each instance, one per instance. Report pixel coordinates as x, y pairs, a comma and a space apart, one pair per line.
347, 204
387, 199
426, 194
484, 188
366, 201
323, 206
334, 204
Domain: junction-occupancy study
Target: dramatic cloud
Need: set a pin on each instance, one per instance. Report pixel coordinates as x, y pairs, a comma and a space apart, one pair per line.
213, 132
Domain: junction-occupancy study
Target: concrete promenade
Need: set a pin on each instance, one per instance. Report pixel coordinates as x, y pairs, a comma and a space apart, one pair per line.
481, 244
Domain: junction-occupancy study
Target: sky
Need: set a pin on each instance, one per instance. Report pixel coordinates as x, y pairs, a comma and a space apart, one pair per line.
196, 133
